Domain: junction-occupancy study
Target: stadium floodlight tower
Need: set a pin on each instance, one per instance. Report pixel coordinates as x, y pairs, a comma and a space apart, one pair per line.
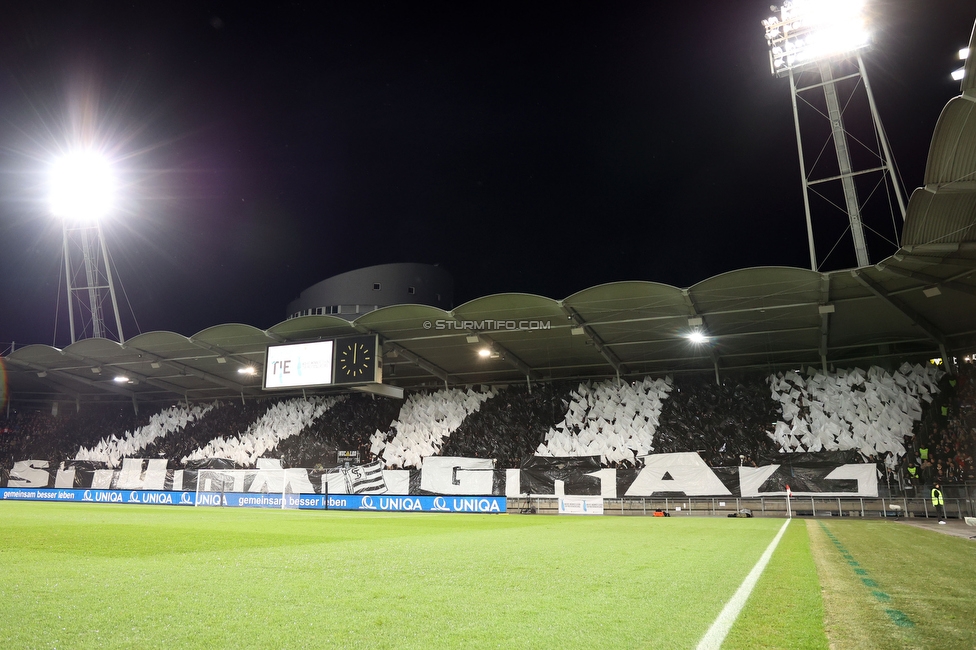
82, 192
809, 41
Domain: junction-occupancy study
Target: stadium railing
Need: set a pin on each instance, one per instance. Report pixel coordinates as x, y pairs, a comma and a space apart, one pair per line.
801, 506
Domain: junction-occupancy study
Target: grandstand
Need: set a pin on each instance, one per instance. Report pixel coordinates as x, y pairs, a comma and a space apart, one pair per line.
870, 416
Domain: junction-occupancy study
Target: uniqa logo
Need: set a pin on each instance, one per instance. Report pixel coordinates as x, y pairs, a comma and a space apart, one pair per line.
157, 497
476, 505
87, 496
367, 503
440, 505
400, 503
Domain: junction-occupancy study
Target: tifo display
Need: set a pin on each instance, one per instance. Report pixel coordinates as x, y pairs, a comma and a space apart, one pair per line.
824, 434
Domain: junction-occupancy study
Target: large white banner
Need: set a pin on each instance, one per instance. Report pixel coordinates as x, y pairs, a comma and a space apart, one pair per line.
751, 480
680, 472
456, 475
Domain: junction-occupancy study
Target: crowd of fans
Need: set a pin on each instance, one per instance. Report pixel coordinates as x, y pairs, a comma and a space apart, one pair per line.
426, 421
511, 426
347, 427
111, 450
871, 412
613, 420
283, 419
729, 424
725, 423
946, 440
227, 419
32, 434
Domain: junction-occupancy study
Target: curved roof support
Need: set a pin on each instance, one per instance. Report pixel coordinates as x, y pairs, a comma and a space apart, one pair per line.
693, 313
210, 347
189, 370
165, 385
504, 353
948, 283
917, 319
825, 310
934, 260
598, 343
61, 374
413, 357
420, 362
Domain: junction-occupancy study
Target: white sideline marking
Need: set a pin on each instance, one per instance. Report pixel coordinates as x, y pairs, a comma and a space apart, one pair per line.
720, 628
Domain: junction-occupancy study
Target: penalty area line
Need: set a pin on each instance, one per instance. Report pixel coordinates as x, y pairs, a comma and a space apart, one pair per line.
720, 628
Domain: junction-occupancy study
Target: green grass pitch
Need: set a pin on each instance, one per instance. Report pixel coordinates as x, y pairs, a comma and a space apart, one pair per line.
77, 576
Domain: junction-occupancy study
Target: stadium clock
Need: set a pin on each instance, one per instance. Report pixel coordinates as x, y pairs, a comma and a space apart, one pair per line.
355, 360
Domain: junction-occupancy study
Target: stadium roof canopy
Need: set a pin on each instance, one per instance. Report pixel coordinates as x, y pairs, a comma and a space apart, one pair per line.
759, 318
918, 303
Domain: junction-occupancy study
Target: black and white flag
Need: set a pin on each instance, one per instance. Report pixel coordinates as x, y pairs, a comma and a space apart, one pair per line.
365, 479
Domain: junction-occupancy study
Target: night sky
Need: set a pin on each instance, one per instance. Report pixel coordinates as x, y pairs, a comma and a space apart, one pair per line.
527, 147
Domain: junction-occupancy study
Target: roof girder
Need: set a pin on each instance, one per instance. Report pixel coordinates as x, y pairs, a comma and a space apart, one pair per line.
917, 319
598, 343
421, 362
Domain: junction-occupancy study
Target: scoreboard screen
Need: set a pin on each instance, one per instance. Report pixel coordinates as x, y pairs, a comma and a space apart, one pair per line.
348, 360
298, 364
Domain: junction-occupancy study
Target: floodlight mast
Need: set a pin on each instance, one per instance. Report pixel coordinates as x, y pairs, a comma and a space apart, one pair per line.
82, 188
815, 36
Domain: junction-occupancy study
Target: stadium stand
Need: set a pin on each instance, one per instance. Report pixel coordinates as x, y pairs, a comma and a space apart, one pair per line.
348, 427
426, 420
615, 421
282, 420
871, 412
874, 412
510, 427
726, 424
226, 419
948, 431
111, 450
35, 434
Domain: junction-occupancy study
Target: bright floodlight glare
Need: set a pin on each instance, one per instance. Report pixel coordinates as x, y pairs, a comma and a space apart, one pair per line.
484, 352
247, 370
807, 31
121, 379
957, 75
82, 186
697, 337
964, 54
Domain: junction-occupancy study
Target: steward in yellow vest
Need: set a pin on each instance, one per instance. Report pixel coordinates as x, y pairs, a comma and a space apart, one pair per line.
938, 502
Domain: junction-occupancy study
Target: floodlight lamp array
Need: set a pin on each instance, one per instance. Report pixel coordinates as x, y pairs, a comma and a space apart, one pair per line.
808, 31
82, 186
960, 74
